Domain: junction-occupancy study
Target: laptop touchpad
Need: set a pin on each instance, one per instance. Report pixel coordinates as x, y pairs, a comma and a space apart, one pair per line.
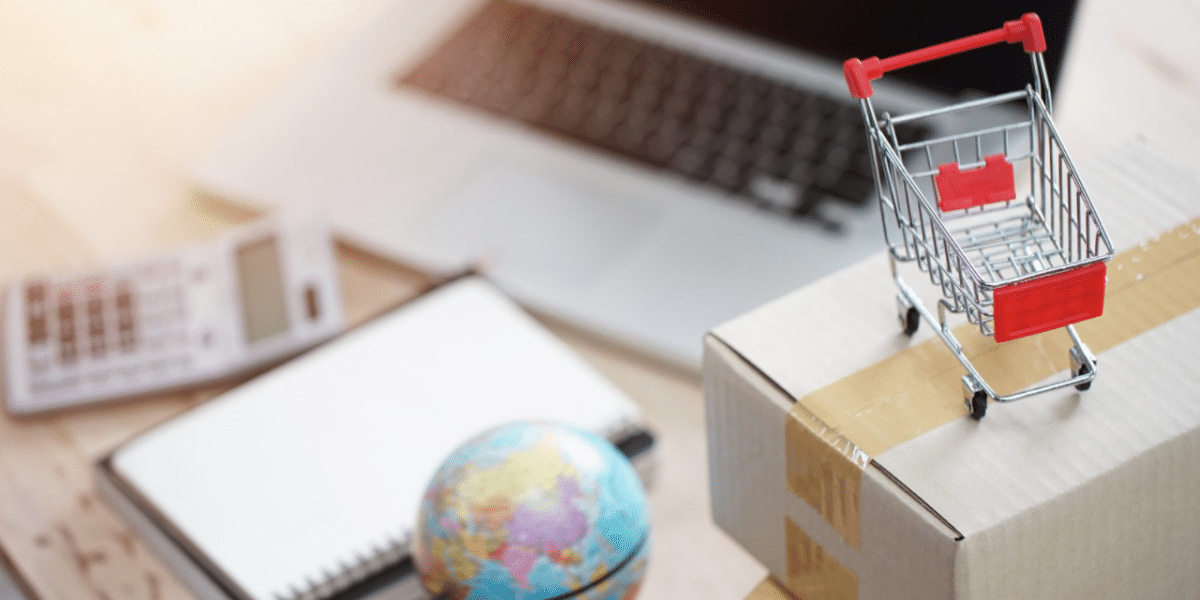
537, 227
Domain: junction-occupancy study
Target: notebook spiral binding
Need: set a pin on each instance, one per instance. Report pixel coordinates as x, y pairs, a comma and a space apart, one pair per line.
348, 573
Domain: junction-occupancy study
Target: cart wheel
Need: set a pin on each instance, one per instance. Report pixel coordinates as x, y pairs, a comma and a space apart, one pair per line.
978, 405
974, 396
1080, 367
910, 318
1085, 386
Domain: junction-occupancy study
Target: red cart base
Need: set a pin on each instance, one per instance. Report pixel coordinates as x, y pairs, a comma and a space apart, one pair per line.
1046, 303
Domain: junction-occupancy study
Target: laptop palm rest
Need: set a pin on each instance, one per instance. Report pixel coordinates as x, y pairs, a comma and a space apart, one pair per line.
542, 229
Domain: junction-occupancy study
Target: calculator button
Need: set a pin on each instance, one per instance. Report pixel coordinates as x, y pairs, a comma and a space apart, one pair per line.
95, 317
35, 293
35, 300
66, 308
127, 341
124, 298
97, 347
35, 313
38, 331
124, 321
126, 335
67, 352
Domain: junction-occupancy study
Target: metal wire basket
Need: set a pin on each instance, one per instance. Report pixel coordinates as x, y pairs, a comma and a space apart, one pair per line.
996, 217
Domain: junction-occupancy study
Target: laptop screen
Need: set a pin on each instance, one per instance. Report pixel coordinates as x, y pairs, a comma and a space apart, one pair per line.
841, 29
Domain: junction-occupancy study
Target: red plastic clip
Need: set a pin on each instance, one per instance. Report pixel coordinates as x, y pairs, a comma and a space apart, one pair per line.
1028, 31
993, 182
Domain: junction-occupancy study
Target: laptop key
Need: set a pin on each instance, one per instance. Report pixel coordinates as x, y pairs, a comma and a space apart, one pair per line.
691, 163
752, 137
727, 174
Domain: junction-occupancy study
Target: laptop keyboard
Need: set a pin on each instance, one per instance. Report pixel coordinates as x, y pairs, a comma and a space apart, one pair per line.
762, 141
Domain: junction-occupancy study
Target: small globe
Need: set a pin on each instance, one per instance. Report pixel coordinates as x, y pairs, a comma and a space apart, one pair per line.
534, 511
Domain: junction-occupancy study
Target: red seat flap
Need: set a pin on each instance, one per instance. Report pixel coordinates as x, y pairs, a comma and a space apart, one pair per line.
993, 182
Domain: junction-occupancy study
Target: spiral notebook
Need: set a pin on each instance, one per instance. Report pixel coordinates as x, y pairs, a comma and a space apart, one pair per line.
303, 483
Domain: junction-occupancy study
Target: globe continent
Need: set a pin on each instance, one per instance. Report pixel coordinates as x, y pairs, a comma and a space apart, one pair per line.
534, 511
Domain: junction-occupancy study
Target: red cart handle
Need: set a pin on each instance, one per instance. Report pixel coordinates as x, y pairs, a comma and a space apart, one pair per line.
859, 73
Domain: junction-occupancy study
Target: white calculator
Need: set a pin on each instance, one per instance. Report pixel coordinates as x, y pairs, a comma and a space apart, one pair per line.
250, 298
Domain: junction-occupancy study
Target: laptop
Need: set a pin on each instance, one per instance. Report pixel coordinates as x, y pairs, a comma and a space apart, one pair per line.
642, 169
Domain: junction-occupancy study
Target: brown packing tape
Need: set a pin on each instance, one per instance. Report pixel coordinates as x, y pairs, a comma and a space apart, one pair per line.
917, 390
831, 432
811, 573
825, 470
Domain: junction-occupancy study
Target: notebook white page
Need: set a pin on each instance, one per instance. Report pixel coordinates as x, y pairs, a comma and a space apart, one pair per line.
310, 467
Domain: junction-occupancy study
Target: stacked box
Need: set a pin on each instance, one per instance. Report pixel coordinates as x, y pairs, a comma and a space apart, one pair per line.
842, 457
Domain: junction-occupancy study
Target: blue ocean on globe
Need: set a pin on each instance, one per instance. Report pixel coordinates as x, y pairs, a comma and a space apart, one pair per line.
531, 511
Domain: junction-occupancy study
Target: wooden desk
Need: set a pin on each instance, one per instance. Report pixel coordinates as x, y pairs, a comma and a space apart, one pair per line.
102, 107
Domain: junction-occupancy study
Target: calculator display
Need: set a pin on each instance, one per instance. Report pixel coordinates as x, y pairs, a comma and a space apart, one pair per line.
264, 306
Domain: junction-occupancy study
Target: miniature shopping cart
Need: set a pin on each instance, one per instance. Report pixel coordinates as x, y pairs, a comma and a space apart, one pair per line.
996, 216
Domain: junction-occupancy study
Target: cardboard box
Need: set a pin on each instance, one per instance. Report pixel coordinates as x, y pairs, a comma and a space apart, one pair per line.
842, 457
768, 589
